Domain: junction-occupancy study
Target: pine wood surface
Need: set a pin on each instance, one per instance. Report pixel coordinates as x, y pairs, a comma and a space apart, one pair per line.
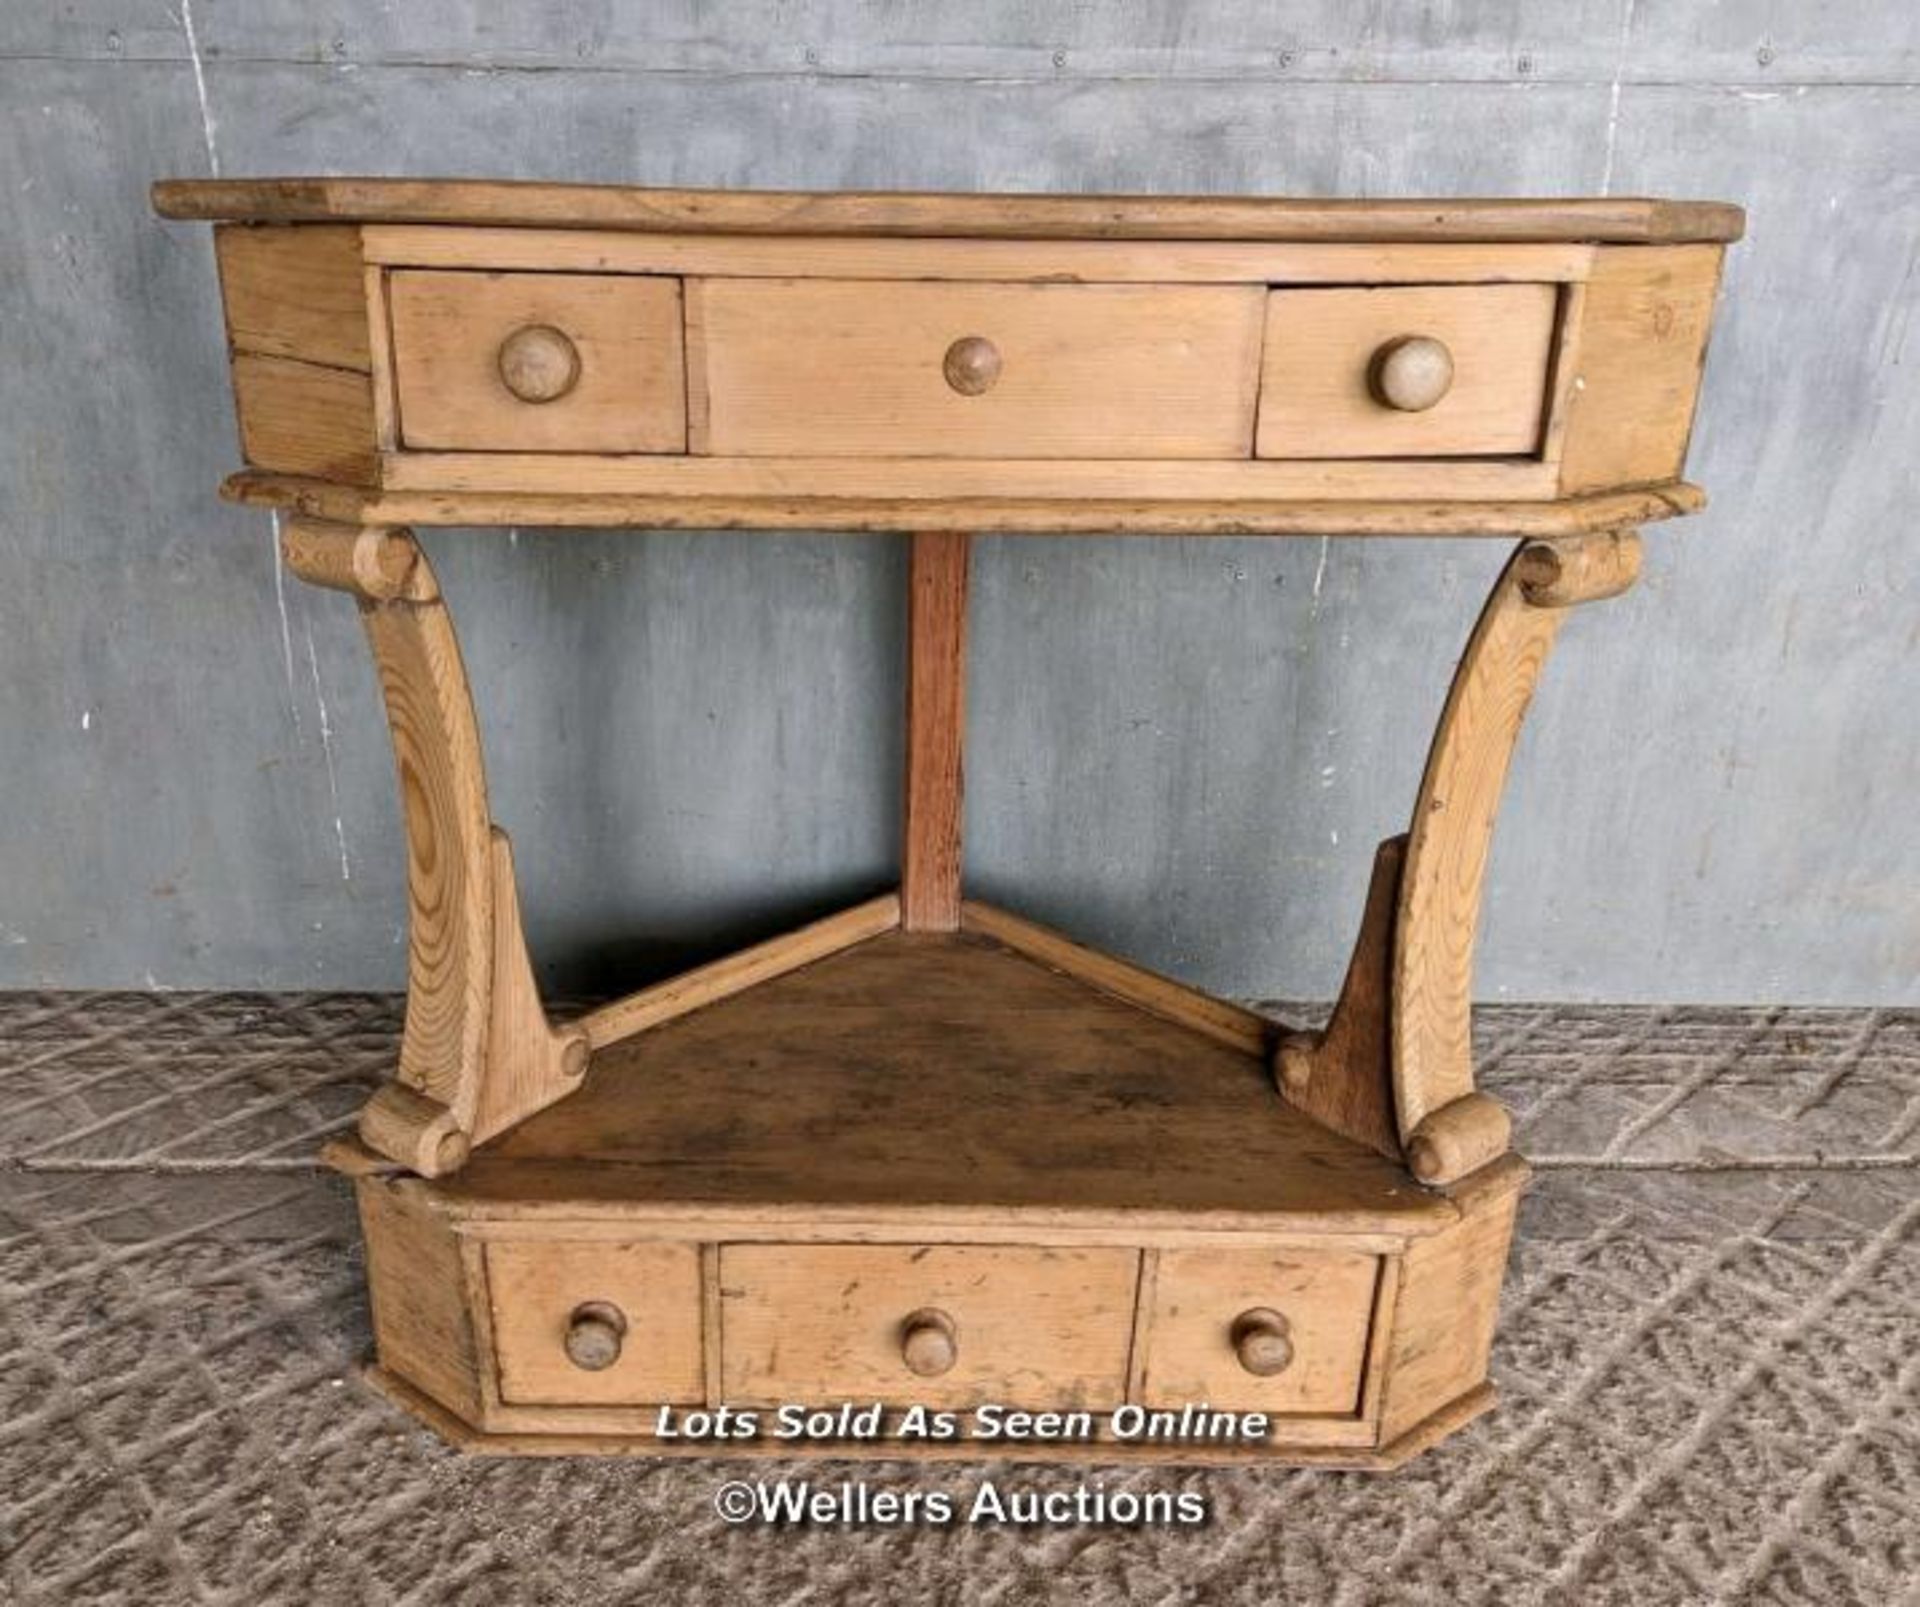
1055, 261
797, 368
448, 331
983, 513
317, 199
1315, 401
1035, 1327
936, 1073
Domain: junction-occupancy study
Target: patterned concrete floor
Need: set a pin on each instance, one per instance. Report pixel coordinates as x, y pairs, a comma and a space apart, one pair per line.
1707, 1356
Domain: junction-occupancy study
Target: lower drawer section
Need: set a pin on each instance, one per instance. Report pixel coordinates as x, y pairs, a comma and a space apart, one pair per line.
598, 1323
946, 1325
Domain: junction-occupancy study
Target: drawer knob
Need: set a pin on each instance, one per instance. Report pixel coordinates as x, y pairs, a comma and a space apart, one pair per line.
1260, 1342
539, 364
1411, 373
972, 365
595, 1332
929, 1342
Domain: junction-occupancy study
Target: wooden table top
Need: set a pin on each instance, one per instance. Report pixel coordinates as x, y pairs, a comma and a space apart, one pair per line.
1609, 220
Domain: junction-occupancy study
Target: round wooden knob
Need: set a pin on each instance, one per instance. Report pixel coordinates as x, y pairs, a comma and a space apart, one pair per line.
539, 364
1260, 1342
929, 1343
1411, 373
594, 1335
972, 365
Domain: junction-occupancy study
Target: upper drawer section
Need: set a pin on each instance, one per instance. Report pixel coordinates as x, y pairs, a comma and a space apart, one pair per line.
835, 368
1407, 371
539, 362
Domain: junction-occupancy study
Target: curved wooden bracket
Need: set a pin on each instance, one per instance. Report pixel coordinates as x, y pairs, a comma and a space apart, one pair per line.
477, 1053
1439, 908
1394, 1068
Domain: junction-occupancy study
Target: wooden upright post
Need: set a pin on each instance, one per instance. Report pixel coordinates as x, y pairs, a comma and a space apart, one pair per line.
930, 849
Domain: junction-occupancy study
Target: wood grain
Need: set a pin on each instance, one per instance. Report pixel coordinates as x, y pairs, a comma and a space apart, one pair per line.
1326, 1298
1448, 1302
1642, 343
1448, 843
443, 797
418, 1292
1440, 887
302, 418
989, 1089
448, 331
1057, 261
296, 293
1040, 1328
529, 1063
533, 1290
1411, 516
1063, 481
519, 203
1315, 396
931, 842
825, 368
1343, 1076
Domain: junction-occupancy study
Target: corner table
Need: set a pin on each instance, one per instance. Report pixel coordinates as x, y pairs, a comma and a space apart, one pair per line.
926, 1152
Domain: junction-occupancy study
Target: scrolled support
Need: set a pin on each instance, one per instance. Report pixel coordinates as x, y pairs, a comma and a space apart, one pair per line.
477, 1053
1447, 1128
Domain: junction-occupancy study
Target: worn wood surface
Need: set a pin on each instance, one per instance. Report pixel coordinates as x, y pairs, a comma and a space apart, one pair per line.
443, 798
1063, 481
932, 845
448, 333
1325, 1297
1055, 261
418, 1292
1447, 847
982, 512
912, 213
1039, 1327
1315, 399
295, 294
1343, 1076
1448, 1302
1643, 340
529, 1063
826, 368
533, 1290
305, 418
987, 1087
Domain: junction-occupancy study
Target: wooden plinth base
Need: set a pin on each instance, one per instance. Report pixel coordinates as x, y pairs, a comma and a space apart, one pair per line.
938, 1169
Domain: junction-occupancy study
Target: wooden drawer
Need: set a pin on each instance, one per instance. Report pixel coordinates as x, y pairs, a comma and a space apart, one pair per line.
827, 368
1321, 391
1198, 1297
538, 362
1029, 1327
538, 1291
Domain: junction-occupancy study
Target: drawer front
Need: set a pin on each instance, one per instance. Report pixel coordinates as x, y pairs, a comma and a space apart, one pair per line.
538, 362
1193, 1334
826, 368
628, 1313
1023, 1327
1344, 377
